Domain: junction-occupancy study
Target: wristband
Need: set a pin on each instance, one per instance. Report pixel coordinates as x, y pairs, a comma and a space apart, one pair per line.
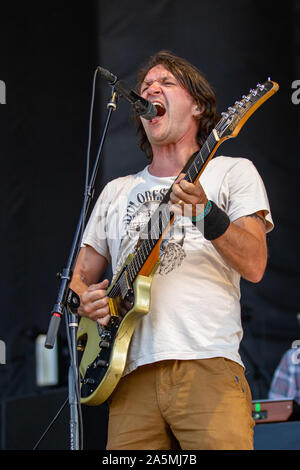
215, 223
203, 214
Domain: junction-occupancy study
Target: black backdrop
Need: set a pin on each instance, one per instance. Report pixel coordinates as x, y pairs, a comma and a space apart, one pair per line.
48, 54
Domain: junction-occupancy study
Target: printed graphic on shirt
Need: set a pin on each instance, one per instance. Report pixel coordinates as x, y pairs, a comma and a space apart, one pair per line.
171, 255
138, 213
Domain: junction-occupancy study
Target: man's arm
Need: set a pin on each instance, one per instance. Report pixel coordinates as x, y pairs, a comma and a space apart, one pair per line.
89, 268
243, 245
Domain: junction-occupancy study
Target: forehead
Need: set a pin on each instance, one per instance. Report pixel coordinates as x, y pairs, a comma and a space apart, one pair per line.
158, 72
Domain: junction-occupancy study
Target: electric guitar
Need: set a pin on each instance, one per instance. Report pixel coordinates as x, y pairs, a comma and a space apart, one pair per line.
104, 349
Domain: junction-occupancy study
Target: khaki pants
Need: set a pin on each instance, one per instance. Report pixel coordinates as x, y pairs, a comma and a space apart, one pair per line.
197, 404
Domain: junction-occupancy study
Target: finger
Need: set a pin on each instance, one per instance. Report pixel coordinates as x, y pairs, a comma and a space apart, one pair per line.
180, 196
95, 314
192, 194
100, 285
90, 297
98, 304
177, 192
95, 291
180, 178
195, 192
104, 320
173, 198
188, 187
185, 189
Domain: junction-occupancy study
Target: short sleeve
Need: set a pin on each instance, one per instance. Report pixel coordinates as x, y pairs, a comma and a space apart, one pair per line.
95, 233
245, 191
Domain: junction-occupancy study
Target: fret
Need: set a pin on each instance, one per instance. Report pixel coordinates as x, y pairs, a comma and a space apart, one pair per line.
123, 285
200, 154
131, 276
135, 266
162, 216
188, 175
148, 247
140, 261
225, 128
160, 219
132, 273
143, 248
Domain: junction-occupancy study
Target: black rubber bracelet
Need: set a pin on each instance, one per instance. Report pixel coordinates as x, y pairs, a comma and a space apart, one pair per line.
214, 224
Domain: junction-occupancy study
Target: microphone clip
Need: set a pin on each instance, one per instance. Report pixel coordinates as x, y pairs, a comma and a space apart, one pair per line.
142, 107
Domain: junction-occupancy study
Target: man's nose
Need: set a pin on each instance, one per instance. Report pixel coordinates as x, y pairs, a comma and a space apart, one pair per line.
154, 88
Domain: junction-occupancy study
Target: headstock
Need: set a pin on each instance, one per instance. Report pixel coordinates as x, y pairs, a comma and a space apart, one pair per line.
235, 117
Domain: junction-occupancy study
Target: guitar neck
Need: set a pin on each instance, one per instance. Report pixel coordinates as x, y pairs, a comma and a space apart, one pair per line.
162, 218
147, 253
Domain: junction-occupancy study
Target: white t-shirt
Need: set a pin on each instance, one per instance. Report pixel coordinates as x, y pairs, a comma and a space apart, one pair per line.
195, 294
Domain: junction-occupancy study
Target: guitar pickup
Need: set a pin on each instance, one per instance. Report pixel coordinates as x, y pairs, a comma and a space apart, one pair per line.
112, 307
126, 286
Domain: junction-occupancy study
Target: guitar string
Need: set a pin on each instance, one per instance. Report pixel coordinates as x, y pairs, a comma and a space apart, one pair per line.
147, 245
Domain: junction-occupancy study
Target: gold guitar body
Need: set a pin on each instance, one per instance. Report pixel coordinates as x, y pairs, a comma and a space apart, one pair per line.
88, 333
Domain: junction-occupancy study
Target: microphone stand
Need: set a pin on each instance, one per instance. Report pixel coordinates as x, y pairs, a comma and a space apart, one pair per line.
68, 301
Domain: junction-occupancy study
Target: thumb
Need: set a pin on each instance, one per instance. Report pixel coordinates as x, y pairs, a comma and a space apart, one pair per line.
179, 178
101, 285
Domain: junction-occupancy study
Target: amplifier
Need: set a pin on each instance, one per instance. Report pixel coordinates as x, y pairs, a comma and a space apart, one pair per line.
271, 411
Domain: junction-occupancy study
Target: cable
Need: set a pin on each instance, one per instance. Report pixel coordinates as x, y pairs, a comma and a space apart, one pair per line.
51, 424
86, 196
73, 362
74, 368
88, 154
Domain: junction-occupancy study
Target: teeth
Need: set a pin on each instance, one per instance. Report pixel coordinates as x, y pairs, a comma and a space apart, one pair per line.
160, 108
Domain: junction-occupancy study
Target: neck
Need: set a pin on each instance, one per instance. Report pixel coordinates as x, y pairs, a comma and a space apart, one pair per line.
169, 160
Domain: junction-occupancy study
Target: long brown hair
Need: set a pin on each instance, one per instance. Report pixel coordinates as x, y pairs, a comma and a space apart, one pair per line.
196, 85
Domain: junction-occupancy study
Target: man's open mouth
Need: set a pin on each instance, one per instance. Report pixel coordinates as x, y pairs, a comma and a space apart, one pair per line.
159, 108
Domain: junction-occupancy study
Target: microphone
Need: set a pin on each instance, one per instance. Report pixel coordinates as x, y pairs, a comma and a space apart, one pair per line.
143, 108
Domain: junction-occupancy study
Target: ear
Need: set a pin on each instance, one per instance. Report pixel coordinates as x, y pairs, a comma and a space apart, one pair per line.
198, 110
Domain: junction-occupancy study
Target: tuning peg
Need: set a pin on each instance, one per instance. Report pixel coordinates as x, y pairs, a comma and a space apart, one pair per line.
232, 110
260, 86
240, 104
253, 92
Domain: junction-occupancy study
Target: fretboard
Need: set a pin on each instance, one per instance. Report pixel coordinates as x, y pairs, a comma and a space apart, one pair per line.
162, 217
228, 126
